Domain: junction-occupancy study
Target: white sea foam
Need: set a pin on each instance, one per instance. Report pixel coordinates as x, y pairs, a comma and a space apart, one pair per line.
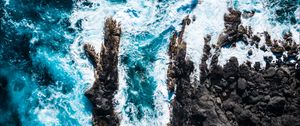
209, 21
47, 116
259, 22
161, 93
57, 105
241, 52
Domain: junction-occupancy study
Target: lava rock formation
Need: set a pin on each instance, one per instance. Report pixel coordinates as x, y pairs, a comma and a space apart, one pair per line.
106, 75
233, 94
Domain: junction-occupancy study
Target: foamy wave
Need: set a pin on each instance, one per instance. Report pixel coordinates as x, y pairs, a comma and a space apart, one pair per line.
209, 20
260, 22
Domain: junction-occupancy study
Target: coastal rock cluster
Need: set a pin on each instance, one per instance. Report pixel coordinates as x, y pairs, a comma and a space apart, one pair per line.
179, 71
231, 95
106, 75
193, 104
239, 95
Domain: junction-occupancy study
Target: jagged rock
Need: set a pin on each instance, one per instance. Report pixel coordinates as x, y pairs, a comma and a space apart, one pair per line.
192, 105
242, 84
244, 71
256, 38
257, 66
263, 48
250, 52
267, 39
231, 69
248, 14
297, 75
239, 94
256, 98
231, 33
206, 49
177, 52
270, 72
92, 55
276, 104
286, 120
106, 76
206, 53
277, 49
216, 73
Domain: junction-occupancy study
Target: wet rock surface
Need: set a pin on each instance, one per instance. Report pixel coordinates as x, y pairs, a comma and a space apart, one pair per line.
233, 30
233, 94
259, 98
179, 71
106, 75
192, 105
229, 95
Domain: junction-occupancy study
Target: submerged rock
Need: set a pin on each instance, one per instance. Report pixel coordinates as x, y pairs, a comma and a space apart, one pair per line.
106, 76
248, 14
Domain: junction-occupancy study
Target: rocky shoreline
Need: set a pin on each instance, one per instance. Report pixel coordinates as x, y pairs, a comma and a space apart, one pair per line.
193, 104
106, 76
179, 71
233, 94
230, 95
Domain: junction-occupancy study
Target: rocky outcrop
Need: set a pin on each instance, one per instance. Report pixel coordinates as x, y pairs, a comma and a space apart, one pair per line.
192, 104
229, 95
233, 94
253, 96
233, 31
106, 75
178, 66
257, 98
179, 71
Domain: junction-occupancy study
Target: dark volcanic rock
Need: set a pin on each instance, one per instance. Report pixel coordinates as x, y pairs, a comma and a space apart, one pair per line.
106, 76
242, 84
206, 53
231, 69
298, 70
276, 104
256, 97
248, 14
179, 67
232, 31
192, 104
250, 52
233, 94
270, 72
257, 66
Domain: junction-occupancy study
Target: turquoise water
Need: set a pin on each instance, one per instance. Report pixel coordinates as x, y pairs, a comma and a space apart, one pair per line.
44, 72
139, 62
42, 83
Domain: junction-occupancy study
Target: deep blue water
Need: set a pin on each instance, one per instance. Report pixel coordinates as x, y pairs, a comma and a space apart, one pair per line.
40, 80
